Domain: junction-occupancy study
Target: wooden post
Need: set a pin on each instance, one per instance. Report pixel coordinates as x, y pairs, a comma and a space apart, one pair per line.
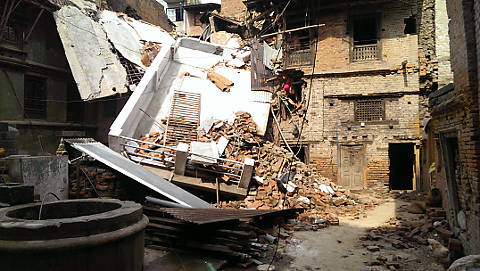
181, 158
246, 173
217, 190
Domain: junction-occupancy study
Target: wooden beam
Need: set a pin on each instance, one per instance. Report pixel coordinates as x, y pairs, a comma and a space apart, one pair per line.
292, 30
187, 181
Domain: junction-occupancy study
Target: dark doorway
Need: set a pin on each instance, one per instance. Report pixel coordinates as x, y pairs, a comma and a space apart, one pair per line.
301, 153
402, 160
451, 158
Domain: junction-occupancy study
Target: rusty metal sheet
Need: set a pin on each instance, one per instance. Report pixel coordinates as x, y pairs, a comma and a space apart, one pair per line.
205, 216
259, 72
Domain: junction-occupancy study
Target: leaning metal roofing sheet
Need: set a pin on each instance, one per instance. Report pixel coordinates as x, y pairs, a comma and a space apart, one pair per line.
147, 178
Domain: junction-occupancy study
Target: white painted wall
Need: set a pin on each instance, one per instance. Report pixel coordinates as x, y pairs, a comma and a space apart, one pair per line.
167, 74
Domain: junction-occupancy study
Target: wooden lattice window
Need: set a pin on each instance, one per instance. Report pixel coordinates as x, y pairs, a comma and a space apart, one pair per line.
369, 110
35, 95
10, 34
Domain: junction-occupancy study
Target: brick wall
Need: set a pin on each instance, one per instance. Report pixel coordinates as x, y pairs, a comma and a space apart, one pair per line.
233, 9
457, 111
377, 172
324, 158
333, 52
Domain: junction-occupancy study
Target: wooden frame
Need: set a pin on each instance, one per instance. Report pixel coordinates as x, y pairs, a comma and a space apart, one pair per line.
351, 32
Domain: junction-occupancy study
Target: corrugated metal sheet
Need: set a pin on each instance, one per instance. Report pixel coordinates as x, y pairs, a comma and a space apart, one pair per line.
259, 72
205, 216
147, 178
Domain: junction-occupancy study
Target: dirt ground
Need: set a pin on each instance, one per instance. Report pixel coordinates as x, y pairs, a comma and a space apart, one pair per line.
340, 247
334, 248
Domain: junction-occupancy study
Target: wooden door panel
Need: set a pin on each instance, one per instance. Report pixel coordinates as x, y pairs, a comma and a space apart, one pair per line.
352, 166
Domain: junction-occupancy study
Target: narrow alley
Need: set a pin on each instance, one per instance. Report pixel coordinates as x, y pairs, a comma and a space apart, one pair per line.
253, 135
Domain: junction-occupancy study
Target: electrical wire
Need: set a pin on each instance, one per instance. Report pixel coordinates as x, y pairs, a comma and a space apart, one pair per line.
275, 21
298, 140
43, 201
308, 100
90, 181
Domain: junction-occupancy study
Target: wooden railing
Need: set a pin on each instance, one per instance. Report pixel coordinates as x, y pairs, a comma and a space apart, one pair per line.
365, 52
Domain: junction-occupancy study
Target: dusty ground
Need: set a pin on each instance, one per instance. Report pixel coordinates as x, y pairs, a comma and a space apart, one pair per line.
335, 248
340, 247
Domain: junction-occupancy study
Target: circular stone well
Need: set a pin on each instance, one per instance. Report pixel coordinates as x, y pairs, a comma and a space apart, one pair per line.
87, 234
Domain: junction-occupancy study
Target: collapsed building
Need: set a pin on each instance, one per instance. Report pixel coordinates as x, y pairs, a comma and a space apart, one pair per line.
357, 90
55, 83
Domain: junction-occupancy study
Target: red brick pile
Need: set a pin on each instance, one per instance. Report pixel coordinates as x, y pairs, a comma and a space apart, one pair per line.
106, 183
305, 188
302, 186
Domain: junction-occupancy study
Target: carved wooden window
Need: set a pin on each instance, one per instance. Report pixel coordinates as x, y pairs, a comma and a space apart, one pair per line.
369, 110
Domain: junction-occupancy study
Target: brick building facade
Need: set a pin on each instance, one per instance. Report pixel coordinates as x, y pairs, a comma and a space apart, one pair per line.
368, 69
367, 95
453, 135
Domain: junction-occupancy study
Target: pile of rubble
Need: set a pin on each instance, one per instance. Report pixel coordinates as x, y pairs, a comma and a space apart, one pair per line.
282, 181
412, 233
240, 134
106, 183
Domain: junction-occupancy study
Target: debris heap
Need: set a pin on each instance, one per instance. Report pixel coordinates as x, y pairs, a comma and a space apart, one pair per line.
282, 181
243, 236
406, 231
106, 183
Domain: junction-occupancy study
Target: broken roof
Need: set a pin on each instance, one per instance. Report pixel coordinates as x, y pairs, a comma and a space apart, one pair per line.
104, 49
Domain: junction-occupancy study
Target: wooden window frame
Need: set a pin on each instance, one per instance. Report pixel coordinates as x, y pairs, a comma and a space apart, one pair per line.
35, 101
351, 33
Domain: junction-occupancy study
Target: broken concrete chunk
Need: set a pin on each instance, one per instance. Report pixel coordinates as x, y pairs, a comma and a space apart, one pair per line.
291, 187
303, 199
237, 63
373, 248
266, 267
